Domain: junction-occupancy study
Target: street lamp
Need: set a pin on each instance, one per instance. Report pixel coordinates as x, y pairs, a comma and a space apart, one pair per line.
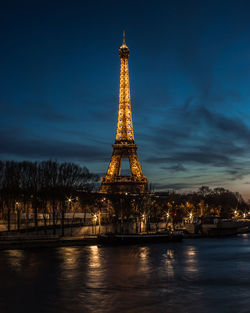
18, 216
95, 220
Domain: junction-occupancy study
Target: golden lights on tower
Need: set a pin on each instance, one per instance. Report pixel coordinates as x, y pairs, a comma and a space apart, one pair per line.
124, 146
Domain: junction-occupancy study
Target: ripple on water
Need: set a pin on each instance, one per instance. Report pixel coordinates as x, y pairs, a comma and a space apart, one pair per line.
208, 275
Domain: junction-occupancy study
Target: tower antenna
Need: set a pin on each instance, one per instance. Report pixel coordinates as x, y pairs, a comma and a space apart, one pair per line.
124, 37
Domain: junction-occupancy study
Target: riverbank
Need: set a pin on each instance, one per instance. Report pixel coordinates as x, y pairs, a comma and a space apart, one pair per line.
37, 242
43, 241
21, 242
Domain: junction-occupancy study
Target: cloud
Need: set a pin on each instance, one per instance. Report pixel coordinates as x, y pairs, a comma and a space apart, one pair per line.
176, 186
174, 168
16, 144
36, 110
192, 157
238, 173
195, 136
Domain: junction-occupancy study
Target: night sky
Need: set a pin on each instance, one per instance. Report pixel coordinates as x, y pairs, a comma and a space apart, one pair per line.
189, 75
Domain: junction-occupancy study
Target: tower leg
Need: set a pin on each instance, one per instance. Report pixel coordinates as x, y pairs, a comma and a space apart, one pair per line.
114, 165
135, 166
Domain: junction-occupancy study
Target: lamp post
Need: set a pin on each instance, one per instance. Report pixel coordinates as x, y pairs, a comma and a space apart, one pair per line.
69, 211
18, 216
167, 221
143, 221
95, 219
191, 217
69, 202
235, 213
99, 214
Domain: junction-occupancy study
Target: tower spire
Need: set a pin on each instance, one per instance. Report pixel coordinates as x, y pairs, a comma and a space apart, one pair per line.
124, 42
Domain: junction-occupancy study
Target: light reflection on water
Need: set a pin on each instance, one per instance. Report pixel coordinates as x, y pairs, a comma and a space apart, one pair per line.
95, 270
70, 258
210, 275
190, 259
94, 257
169, 260
15, 258
144, 258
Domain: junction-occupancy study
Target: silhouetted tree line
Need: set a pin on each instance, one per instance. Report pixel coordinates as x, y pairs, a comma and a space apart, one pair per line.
220, 202
51, 189
172, 208
204, 202
41, 187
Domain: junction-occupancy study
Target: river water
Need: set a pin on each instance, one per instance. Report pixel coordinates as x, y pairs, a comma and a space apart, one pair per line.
197, 275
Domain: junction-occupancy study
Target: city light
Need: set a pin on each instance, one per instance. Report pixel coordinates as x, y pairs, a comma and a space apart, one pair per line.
124, 146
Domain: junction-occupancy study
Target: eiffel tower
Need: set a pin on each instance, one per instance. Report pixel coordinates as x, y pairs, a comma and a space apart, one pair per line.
124, 146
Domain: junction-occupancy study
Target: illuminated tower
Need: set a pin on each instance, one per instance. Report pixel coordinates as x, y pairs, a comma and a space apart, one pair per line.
124, 146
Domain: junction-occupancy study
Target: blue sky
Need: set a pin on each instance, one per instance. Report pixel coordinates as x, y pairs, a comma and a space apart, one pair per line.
189, 74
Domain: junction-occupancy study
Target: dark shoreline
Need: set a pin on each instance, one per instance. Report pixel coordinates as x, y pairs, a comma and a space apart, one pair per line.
47, 243
70, 242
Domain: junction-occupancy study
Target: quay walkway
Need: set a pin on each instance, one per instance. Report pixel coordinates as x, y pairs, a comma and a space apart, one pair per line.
44, 241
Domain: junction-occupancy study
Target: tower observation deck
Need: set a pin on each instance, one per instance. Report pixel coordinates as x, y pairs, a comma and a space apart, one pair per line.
124, 146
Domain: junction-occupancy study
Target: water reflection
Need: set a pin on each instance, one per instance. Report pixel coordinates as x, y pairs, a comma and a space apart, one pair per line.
95, 268
70, 262
70, 257
194, 276
144, 258
94, 257
191, 262
15, 258
169, 261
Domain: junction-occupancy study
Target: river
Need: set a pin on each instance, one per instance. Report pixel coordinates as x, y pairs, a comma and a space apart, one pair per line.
197, 275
